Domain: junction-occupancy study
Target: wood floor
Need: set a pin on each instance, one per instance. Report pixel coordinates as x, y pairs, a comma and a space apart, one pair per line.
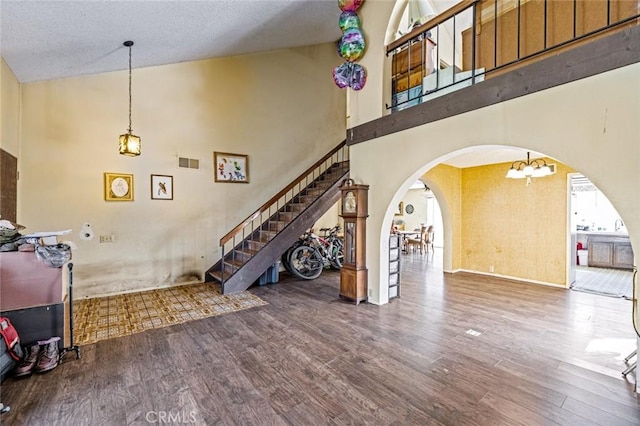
544, 356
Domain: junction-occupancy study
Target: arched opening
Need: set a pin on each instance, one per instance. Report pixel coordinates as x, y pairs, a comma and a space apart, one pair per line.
520, 229
524, 230
418, 221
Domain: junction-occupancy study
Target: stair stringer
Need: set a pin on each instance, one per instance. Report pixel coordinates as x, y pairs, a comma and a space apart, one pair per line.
244, 277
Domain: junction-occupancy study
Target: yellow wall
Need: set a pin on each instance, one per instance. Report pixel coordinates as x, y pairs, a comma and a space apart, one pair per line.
262, 105
445, 182
9, 110
515, 230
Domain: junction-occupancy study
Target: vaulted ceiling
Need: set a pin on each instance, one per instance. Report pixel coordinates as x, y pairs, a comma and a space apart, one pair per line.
43, 40
50, 39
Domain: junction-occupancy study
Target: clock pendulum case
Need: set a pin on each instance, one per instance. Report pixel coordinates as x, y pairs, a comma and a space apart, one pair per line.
354, 274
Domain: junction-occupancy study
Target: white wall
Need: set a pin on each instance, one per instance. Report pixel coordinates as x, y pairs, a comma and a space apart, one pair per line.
330, 219
564, 123
280, 108
418, 199
593, 209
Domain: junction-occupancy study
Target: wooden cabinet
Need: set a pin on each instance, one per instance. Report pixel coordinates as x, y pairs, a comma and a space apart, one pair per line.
394, 266
607, 251
8, 186
411, 64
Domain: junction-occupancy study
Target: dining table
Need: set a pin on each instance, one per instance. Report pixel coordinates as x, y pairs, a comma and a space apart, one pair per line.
407, 234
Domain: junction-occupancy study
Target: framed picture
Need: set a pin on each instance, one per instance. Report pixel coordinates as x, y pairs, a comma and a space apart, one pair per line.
118, 187
400, 211
161, 187
231, 167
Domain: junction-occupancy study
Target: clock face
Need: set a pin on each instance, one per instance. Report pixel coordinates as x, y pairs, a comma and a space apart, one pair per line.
349, 203
119, 187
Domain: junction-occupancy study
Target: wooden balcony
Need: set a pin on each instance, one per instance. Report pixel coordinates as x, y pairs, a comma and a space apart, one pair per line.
496, 36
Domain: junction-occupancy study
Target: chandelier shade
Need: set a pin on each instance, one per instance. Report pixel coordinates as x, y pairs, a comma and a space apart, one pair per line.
528, 169
128, 143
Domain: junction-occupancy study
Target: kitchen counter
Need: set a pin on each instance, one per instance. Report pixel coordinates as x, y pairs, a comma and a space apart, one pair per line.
604, 233
608, 249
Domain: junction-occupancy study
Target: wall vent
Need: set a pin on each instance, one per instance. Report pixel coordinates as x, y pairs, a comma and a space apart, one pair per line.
188, 163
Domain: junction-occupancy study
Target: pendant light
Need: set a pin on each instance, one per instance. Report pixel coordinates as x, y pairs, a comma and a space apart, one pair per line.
528, 169
130, 144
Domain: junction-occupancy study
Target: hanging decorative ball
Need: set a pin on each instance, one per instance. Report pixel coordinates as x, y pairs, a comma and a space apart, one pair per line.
352, 45
342, 75
350, 5
349, 20
350, 75
358, 77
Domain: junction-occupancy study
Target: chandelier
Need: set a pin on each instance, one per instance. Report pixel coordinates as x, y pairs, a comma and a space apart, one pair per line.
528, 169
130, 144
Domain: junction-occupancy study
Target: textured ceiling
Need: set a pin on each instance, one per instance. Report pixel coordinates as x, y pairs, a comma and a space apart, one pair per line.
44, 40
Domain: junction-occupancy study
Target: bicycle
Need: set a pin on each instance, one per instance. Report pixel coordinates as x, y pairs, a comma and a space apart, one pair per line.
311, 253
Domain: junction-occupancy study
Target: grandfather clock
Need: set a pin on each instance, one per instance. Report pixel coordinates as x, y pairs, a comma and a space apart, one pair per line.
353, 274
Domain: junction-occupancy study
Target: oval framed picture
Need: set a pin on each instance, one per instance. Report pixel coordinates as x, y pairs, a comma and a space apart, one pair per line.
409, 208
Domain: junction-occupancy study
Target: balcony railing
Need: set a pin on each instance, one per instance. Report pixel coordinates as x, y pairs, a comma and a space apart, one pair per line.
479, 39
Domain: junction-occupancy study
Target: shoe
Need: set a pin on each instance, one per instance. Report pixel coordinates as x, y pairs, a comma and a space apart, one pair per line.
49, 356
29, 361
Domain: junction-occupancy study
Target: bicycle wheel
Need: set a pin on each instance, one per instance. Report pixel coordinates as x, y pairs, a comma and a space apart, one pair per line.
286, 256
337, 260
306, 262
285, 259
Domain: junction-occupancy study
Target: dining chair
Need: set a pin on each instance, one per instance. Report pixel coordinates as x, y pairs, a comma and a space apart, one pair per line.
419, 242
429, 238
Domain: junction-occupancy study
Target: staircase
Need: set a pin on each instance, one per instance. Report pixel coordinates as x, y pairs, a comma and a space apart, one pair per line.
258, 242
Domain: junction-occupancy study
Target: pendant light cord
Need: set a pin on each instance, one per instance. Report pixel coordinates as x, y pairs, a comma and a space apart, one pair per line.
130, 88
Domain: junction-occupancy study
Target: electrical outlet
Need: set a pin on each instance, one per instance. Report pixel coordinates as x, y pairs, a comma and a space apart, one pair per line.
107, 238
491, 268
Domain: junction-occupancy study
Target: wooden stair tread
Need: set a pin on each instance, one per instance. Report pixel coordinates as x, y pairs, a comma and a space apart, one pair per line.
234, 263
251, 245
247, 251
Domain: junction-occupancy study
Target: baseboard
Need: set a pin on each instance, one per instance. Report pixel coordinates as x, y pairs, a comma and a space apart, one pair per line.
509, 277
137, 290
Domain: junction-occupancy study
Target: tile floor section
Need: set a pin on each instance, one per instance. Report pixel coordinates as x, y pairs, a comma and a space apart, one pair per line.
125, 314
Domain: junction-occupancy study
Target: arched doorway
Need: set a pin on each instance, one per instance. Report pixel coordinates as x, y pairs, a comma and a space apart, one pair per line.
484, 211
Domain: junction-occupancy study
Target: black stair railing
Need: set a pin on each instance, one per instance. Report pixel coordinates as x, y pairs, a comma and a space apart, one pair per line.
477, 39
260, 220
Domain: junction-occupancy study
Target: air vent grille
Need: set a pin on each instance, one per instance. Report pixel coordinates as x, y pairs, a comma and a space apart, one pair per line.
188, 163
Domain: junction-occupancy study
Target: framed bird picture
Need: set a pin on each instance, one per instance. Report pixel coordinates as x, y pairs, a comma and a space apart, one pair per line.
231, 167
161, 187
